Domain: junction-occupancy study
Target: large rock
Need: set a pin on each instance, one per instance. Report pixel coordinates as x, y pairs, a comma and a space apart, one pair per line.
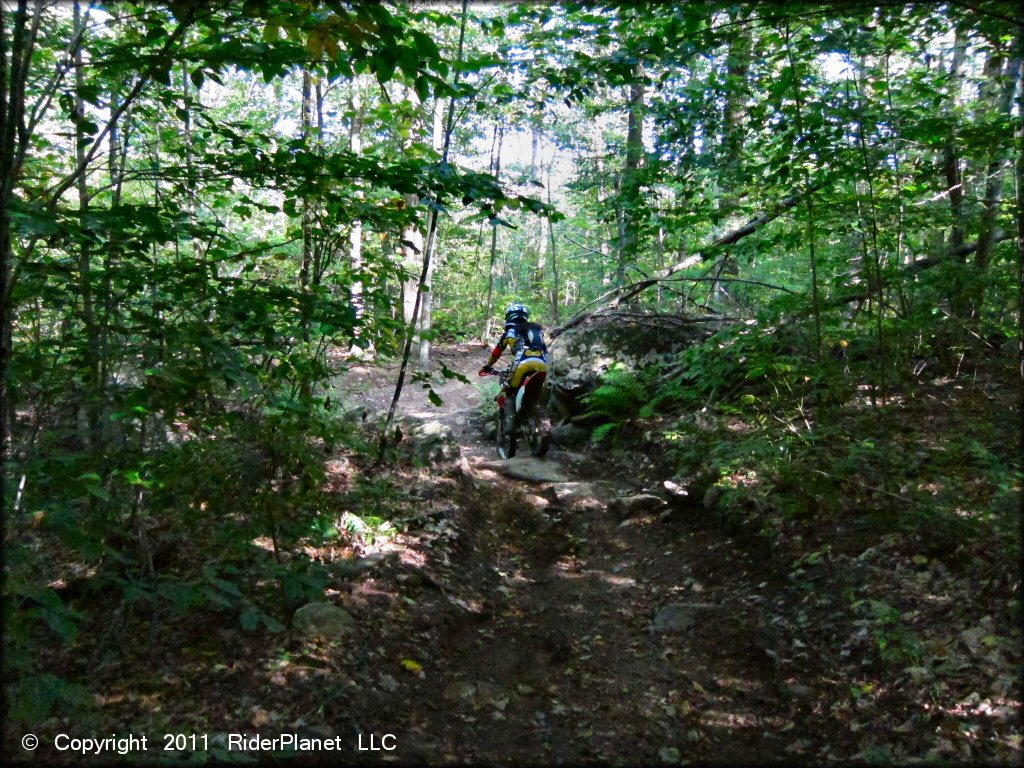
323, 620
570, 435
581, 355
433, 442
573, 492
534, 470
629, 506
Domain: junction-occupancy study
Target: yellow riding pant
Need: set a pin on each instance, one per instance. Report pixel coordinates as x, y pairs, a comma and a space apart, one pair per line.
526, 366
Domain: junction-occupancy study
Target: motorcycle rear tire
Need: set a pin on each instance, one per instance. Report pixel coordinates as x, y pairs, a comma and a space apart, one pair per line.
532, 431
506, 435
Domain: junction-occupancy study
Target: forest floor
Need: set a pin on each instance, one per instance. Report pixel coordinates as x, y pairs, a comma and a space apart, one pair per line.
519, 622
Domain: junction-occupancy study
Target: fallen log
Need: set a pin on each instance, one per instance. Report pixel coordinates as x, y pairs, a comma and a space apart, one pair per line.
616, 296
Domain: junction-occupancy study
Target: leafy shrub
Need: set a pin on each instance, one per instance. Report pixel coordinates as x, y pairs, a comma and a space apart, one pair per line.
487, 410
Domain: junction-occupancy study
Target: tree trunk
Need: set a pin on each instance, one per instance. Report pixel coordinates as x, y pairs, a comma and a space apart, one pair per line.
93, 381
425, 272
496, 170
734, 111
412, 235
629, 196
809, 201
355, 238
1019, 182
1003, 80
950, 160
306, 121
536, 172
737, 66
554, 257
427, 298
15, 58
996, 95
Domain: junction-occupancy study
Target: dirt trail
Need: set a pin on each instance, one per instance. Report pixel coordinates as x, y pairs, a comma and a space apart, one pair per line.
537, 644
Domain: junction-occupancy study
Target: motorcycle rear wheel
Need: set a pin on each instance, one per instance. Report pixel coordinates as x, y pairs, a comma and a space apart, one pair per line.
506, 435
532, 430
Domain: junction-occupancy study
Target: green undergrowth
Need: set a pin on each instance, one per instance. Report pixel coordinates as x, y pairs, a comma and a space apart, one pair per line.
852, 436
221, 522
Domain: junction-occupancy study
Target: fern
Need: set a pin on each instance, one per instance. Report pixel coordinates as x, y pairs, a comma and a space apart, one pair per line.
602, 431
620, 393
620, 396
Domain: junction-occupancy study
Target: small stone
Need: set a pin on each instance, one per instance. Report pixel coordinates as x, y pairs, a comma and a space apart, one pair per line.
321, 731
919, 674
712, 497
678, 617
323, 620
356, 566
409, 579
796, 691
459, 689
629, 506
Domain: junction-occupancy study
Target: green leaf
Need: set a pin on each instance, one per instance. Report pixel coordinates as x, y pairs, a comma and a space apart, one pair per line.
249, 618
385, 66
271, 623
448, 373
435, 398
35, 698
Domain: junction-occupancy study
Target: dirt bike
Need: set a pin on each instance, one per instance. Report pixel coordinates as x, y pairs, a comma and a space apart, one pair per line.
526, 421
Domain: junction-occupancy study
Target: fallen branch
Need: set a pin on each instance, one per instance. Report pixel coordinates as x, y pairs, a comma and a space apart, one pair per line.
653, 319
871, 488
683, 278
616, 296
956, 253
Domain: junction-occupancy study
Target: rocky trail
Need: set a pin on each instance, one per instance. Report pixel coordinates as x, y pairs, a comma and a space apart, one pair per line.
575, 619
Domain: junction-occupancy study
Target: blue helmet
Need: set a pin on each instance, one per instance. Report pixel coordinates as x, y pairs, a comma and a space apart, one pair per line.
516, 312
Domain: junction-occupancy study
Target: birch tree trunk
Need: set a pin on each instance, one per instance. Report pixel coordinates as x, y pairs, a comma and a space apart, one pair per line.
355, 237
426, 288
412, 235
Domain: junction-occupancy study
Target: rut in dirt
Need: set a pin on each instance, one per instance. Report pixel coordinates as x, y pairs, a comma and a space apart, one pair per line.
555, 657
564, 633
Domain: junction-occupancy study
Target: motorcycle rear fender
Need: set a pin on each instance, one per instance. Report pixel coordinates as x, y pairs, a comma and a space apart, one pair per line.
532, 382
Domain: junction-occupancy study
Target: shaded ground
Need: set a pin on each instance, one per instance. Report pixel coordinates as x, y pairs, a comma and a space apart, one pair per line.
808, 650
539, 646
525, 623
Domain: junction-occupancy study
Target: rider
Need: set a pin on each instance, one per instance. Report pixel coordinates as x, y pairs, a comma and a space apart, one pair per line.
529, 351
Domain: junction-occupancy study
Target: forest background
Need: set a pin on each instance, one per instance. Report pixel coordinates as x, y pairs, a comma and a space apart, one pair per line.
208, 208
